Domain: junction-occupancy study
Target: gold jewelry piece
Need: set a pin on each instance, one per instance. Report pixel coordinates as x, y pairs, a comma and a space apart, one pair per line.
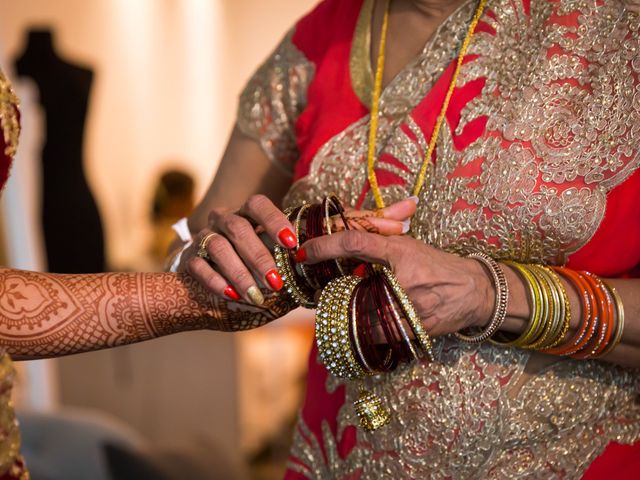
332, 329
560, 333
296, 291
501, 300
375, 105
409, 311
399, 322
535, 297
551, 301
619, 317
255, 295
370, 411
202, 246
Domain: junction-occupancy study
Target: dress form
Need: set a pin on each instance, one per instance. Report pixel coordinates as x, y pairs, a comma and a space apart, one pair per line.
71, 222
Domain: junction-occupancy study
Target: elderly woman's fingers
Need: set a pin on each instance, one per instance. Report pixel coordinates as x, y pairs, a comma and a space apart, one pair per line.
274, 222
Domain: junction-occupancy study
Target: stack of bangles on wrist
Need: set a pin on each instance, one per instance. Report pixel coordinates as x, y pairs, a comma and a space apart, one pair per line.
364, 325
601, 324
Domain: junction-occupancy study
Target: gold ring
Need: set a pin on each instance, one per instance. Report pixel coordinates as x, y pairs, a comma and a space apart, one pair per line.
202, 246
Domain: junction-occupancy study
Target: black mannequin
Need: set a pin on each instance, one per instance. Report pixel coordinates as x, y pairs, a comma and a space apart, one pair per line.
71, 221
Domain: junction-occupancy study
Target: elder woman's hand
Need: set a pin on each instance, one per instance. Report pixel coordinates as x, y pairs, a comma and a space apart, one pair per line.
240, 262
449, 292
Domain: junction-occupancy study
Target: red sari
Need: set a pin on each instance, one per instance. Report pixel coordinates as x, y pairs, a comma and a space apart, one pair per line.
537, 163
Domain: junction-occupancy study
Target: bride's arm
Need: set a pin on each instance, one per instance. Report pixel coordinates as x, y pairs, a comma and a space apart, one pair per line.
47, 315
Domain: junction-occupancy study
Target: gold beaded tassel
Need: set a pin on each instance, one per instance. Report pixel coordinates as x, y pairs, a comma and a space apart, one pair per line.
371, 413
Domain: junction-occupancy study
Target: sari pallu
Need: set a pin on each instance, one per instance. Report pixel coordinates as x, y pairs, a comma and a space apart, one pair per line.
537, 162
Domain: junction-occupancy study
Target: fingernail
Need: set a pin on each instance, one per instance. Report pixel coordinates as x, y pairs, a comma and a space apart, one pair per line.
300, 255
274, 279
360, 270
255, 295
406, 226
231, 293
288, 238
414, 199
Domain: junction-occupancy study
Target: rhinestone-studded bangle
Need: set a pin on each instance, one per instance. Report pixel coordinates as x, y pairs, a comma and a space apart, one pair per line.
409, 311
332, 329
501, 300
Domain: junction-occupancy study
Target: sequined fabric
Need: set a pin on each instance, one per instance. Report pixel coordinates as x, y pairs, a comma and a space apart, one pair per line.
555, 127
273, 99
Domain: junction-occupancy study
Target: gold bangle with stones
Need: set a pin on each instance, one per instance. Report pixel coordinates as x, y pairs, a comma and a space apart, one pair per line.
619, 307
501, 300
409, 312
332, 329
400, 323
291, 286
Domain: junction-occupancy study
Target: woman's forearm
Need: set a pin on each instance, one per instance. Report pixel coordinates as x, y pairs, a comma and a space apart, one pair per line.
46, 315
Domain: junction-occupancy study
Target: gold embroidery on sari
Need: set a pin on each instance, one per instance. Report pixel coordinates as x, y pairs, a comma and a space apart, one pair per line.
272, 100
359, 61
562, 104
9, 117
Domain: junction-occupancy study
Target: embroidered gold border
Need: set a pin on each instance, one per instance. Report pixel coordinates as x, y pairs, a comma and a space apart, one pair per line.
9, 116
360, 57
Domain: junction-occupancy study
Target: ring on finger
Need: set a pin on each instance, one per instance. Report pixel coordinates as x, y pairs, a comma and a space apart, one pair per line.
202, 246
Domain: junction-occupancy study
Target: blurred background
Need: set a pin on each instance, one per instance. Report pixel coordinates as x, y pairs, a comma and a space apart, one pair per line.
117, 144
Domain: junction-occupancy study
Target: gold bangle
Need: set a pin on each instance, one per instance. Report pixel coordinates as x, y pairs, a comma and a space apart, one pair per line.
619, 317
332, 329
552, 312
294, 290
399, 322
501, 300
535, 297
560, 333
409, 312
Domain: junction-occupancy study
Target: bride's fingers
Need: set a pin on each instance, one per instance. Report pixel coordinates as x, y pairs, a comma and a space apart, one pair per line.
382, 226
401, 210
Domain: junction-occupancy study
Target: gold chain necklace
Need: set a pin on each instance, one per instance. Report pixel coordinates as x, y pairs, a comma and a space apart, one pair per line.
375, 105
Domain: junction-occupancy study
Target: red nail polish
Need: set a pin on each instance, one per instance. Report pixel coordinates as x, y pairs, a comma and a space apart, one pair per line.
360, 270
301, 255
274, 279
288, 238
231, 293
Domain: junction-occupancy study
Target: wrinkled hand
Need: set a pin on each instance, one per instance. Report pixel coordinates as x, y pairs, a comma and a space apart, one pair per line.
449, 292
240, 262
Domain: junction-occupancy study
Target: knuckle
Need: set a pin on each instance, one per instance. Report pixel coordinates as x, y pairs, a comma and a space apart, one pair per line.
242, 277
256, 203
215, 214
236, 226
218, 247
354, 242
263, 260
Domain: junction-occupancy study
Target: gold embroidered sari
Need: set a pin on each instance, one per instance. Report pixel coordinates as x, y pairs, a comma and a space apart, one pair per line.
543, 127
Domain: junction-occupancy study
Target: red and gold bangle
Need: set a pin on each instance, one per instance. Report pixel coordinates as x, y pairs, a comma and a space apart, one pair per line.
601, 318
608, 325
587, 324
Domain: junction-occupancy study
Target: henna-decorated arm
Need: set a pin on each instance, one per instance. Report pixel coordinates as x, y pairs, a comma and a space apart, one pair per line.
48, 315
